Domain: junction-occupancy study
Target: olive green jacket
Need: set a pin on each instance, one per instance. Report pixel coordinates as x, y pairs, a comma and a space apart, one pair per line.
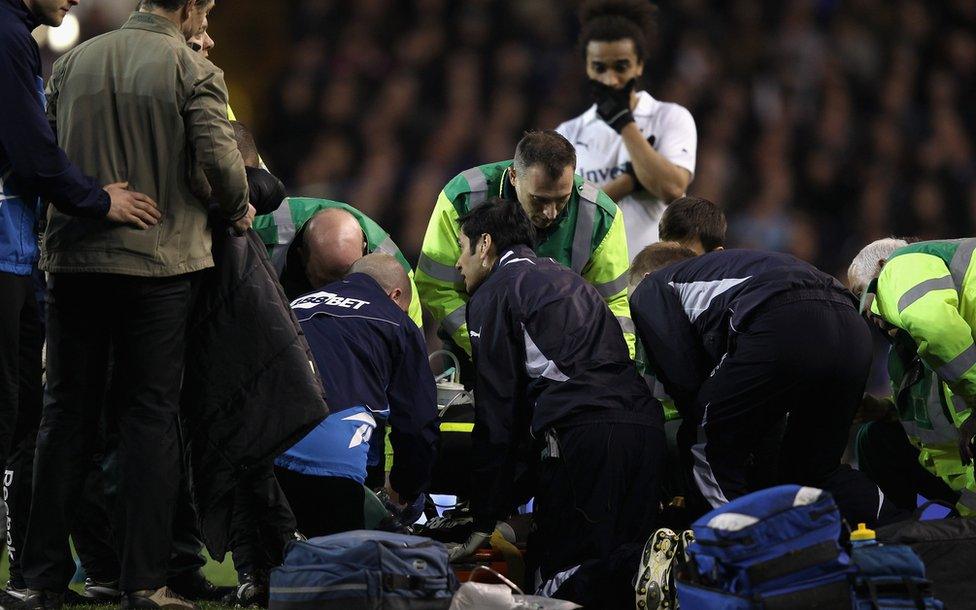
138, 105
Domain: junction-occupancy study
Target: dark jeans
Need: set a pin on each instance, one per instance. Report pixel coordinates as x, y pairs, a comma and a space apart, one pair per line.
323, 505
21, 342
889, 458
144, 321
809, 359
599, 494
263, 522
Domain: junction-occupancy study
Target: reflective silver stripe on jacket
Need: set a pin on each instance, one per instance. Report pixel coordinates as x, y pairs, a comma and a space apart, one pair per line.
454, 320
954, 369
968, 499
478, 185
626, 324
921, 289
387, 247
612, 287
960, 261
585, 219
286, 233
439, 271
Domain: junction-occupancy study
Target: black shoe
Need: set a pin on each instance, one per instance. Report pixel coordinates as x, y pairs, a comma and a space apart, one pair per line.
194, 585
102, 591
40, 600
156, 599
251, 593
12, 590
9, 600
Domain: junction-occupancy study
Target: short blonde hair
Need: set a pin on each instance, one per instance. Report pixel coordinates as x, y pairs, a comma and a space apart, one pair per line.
654, 257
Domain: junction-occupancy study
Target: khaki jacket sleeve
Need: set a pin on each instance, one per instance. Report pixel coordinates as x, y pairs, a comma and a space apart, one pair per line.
211, 139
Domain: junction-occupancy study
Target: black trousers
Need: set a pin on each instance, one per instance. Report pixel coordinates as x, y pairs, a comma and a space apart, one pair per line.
810, 360
144, 321
599, 494
93, 533
889, 458
262, 523
21, 342
323, 505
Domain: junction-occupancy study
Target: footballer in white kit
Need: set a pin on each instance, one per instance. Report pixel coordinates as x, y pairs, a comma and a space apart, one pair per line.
639, 150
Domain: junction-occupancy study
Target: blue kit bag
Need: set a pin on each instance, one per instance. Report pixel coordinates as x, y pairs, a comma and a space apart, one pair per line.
891, 576
775, 548
364, 570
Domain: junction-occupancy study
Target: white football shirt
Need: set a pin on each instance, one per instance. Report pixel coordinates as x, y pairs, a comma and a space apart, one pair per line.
601, 155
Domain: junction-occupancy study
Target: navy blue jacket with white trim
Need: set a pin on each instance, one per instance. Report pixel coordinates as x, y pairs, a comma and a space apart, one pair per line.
369, 354
547, 351
685, 313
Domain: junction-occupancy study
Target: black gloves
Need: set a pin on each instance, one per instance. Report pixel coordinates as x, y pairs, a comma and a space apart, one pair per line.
613, 105
266, 191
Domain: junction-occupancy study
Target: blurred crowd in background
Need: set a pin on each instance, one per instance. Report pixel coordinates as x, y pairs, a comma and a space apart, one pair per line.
822, 124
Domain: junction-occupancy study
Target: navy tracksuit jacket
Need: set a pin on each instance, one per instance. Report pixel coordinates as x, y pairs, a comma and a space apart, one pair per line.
373, 363
548, 353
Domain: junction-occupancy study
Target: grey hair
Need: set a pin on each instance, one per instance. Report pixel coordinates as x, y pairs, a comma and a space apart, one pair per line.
868, 262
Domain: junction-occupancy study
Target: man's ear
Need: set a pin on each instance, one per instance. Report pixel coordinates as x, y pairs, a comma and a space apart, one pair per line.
395, 294
186, 10
511, 174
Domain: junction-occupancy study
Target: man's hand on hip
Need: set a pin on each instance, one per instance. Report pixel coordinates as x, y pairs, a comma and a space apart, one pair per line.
242, 224
131, 207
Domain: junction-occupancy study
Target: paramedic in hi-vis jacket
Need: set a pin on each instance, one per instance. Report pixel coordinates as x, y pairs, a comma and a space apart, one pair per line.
923, 295
576, 225
558, 394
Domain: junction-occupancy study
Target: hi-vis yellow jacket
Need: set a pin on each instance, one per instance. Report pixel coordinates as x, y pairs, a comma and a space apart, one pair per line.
928, 290
588, 237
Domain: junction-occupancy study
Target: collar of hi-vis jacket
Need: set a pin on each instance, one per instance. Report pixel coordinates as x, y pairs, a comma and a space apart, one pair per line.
153, 23
868, 297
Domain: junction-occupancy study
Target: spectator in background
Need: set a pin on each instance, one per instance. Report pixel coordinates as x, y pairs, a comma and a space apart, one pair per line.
131, 289
639, 150
860, 100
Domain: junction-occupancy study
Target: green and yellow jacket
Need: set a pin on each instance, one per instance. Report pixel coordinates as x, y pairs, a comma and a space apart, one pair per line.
927, 290
278, 232
588, 237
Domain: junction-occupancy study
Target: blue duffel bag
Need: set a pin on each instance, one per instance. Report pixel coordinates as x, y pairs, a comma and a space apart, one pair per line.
891, 576
364, 570
775, 548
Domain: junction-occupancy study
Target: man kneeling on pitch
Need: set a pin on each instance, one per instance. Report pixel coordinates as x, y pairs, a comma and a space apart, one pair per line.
373, 363
556, 392
741, 339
